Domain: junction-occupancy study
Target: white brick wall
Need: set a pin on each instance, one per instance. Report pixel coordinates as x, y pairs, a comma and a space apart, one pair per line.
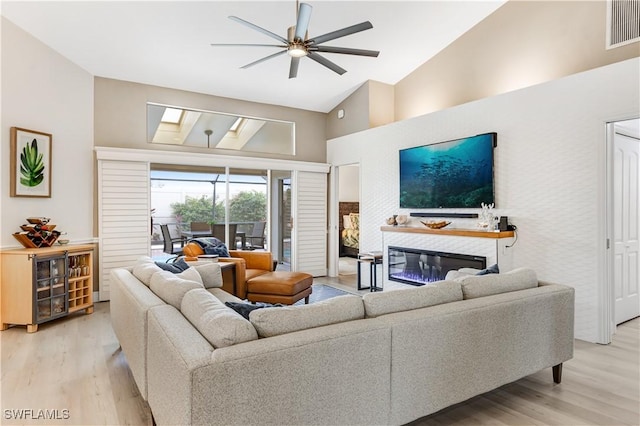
549, 168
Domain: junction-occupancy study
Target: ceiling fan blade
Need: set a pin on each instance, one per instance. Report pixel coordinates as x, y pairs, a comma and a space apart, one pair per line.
260, 29
345, 50
327, 63
246, 45
293, 69
266, 58
341, 33
304, 16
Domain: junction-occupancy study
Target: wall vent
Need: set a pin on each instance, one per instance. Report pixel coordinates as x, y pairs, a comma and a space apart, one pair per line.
623, 22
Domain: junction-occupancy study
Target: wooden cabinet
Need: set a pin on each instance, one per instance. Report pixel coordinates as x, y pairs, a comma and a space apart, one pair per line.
42, 284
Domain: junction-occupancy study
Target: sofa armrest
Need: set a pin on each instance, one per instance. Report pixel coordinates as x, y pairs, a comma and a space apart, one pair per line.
239, 274
255, 259
130, 302
176, 349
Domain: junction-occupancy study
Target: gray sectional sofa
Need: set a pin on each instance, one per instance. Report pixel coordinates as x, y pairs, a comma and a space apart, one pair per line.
386, 358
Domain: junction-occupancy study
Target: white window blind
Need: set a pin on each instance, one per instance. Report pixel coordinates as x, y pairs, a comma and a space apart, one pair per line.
310, 223
123, 222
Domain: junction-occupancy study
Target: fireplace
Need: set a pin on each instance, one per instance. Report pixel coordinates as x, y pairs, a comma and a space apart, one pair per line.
419, 267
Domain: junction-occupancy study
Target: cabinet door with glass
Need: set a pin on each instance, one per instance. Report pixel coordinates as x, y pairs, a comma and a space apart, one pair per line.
50, 287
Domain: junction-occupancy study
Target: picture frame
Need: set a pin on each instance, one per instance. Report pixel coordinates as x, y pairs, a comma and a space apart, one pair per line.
31, 163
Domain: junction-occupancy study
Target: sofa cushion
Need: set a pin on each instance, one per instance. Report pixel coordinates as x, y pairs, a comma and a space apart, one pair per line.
172, 287
211, 274
223, 296
486, 285
287, 319
245, 309
144, 269
217, 323
381, 303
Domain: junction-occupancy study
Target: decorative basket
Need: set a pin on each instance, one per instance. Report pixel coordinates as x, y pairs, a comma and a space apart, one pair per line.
435, 225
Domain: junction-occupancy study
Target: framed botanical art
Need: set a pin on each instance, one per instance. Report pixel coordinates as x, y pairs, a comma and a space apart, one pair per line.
30, 163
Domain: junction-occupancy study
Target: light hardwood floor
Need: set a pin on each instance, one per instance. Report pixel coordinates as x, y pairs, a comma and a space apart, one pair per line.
74, 364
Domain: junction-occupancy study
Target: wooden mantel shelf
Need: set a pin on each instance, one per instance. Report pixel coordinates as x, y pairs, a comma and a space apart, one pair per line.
452, 231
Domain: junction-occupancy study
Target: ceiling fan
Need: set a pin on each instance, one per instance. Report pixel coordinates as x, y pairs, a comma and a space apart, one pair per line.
298, 44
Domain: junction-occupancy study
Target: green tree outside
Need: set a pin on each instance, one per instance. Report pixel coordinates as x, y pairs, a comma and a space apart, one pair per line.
248, 206
196, 209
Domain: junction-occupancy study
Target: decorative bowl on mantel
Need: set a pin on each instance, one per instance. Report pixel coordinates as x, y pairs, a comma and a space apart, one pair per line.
433, 224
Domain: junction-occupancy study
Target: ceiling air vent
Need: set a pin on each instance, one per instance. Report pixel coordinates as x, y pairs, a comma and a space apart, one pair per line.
623, 22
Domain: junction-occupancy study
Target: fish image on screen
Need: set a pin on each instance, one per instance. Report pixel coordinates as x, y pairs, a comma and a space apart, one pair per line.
451, 174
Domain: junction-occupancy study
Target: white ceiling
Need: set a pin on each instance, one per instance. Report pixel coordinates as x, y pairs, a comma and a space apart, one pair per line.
167, 43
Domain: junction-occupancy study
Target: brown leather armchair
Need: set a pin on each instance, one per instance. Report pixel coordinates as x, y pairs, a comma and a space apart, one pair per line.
248, 264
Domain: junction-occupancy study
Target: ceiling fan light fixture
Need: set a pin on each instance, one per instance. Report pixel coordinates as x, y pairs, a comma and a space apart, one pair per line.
296, 50
298, 44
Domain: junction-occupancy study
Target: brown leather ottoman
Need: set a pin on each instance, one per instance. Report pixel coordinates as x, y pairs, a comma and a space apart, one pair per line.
280, 287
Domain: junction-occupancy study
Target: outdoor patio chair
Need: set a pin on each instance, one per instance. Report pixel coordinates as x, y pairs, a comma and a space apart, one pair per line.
170, 242
256, 239
218, 231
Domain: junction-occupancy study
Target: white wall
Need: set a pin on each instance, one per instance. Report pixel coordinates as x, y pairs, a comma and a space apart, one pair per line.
349, 183
550, 168
43, 91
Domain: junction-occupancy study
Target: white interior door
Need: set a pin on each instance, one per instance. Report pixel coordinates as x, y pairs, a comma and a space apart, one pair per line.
626, 181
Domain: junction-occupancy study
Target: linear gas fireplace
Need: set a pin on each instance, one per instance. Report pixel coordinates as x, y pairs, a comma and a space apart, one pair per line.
419, 267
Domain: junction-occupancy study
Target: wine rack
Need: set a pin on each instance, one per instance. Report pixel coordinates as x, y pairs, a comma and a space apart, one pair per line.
80, 282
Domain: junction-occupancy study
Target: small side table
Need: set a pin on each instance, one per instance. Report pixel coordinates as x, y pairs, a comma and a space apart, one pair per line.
373, 260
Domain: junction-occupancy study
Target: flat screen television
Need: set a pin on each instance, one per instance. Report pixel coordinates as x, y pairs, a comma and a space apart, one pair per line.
450, 174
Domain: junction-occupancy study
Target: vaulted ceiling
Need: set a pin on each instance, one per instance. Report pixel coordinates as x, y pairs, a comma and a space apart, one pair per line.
168, 43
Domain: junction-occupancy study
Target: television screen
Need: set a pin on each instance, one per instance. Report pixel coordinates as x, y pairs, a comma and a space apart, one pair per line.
451, 174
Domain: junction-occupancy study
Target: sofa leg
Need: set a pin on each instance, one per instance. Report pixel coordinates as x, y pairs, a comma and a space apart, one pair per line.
557, 373
306, 300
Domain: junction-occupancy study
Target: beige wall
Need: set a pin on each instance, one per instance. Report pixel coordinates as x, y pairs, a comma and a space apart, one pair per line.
382, 104
356, 114
521, 44
371, 105
120, 118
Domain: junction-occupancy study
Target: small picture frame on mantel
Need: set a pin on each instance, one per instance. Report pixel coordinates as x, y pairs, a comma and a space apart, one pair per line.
30, 163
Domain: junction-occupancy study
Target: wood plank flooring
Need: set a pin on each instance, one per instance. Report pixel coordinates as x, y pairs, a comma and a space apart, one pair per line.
74, 364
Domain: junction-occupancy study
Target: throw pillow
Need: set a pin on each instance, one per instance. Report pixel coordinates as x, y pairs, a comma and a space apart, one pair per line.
493, 269
211, 274
172, 287
245, 309
191, 274
175, 267
217, 323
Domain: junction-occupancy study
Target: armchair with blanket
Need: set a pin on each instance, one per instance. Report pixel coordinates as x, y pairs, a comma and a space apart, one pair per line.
248, 264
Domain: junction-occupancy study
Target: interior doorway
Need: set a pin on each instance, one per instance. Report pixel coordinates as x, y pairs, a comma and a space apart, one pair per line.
348, 219
624, 164
281, 219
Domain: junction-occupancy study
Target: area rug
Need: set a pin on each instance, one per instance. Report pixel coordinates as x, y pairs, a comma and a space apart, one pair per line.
322, 292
